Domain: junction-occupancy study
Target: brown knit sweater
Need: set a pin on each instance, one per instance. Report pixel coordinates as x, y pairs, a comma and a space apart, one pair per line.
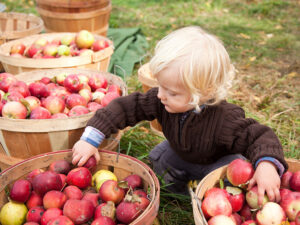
205, 137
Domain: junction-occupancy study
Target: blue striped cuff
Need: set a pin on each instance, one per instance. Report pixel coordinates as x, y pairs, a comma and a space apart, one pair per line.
92, 136
276, 162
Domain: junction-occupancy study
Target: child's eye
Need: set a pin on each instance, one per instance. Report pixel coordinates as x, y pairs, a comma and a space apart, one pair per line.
173, 94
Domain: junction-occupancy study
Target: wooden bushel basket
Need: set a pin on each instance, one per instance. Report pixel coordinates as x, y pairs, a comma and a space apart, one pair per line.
24, 138
148, 82
97, 61
121, 165
18, 25
213, 178
75, 15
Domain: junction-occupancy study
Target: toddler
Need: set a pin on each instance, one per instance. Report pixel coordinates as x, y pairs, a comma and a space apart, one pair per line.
203, 131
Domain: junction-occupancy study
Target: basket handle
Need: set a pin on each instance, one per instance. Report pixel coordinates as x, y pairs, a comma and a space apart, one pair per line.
119, 147
199, 203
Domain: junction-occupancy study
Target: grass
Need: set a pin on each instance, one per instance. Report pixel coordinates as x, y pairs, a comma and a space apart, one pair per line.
262, 38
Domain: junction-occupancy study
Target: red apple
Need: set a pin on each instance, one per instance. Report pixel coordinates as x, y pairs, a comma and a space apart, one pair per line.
297, 219
72, 83
140, 193
94, 106
63, 178
60, 78
92, 197
237, 218
38, 89
134, 181
61, 220
106, 209
33, 50
91, 163
115, 88
239, 171
79, 211
236, 198
33, 173
20, 190
54, 199
271, 213
285, 179
141, 202
283, 193
127, 212
221, 220
13, 96
110, 191
295, 181
21, 87
6, 80
74, 100
33, 102
84, 39
60, 166
1, 106
99, 45
60, 92
97, 81
46, 80
35, 214
50, 214
73, 192
108, 98
74, 51
87, 94
59, 116
17, 48
291, 204
34, 200
83, 79
31, 223
40, 113
80, 177
252, 198
78, 110
103, 220
14, 110
54, 104
45, 182
245, 212
249, 222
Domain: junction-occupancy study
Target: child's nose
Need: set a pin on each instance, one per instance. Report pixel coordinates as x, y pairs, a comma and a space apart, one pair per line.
160, 94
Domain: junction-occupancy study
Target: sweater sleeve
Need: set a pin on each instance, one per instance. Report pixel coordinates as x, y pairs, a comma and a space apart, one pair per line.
250, 138
126, 111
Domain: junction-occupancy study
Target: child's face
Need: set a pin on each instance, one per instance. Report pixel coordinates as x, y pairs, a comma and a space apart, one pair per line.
171, 91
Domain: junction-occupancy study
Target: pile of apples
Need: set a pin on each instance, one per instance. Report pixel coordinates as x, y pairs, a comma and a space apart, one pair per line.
63, 96
82, 43
234, 205
62, 195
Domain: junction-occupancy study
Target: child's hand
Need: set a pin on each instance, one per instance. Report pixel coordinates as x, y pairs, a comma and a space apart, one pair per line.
267, 180
82, 151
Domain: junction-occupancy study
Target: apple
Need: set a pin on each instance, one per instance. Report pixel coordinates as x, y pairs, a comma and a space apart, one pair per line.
33, 51
45, 182
295, 181
61, 220
31, 223
215, 203
13, 213
33, 173
284, 193
17, 48
6, 80
92, 197
74, 51
12, 96
236, 198
33, 102
106, 209
94, 106
63, 50
134, 181
249, 222
245, 212
99, 45
297, 219
237, 218
60, 78
80, 177
127, 212
40, 113
35, 214
141, 202
239, 172
2, 93
50, 50
252, 198
115, 88
108, 98
45, 80
87, 94
20, 190
74, 100
21, 87
73, 192
60, 92
291, 204
221, 220
34, 200
84, 39
63, 178
78, 110
60, 166
38, 89
140, 193
41, 42
72, 83
110, 191
17, 55
79, 211
50, 214
97, 81
67, 39
1, 106
271, 213
103, 220
54, 199
56, 41
100, 176
14, 110
83, 79
54, 104
97, 96
91, 163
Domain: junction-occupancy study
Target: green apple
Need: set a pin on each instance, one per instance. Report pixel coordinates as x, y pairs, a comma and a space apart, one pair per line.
13, 213
84, 39
63, 50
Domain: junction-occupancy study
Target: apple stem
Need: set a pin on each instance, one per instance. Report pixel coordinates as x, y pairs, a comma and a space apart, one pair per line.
221, 183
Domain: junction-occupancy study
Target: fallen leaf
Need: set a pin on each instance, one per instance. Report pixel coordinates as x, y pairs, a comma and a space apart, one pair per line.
245, 36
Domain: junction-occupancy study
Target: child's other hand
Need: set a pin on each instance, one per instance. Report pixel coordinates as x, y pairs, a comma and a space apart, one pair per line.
267, 180
82, 151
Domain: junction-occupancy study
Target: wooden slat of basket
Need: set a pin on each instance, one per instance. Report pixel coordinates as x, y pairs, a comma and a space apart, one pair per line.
72, 3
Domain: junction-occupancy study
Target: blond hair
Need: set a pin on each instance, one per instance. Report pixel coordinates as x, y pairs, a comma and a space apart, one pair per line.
204, 64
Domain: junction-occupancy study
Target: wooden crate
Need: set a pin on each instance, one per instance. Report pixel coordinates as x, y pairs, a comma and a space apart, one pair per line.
97, 61
75, 15
18, 25
121, 165
148, 82
23, 138
212, 179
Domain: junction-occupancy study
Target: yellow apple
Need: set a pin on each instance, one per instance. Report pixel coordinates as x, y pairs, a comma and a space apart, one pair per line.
102, 175
13, 213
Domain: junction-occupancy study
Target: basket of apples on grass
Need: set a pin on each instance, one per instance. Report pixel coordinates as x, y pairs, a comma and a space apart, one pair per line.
57, 50
48, 190
216, 202
47, 110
